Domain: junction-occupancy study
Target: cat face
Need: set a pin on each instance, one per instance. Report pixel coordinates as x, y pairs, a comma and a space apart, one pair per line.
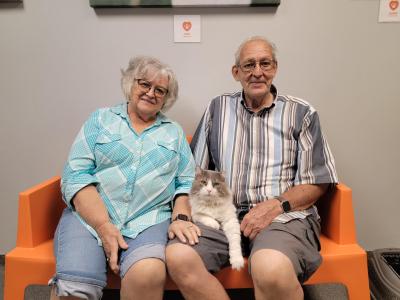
209, 184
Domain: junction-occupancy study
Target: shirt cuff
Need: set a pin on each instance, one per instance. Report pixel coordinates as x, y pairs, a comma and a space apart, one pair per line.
69, 190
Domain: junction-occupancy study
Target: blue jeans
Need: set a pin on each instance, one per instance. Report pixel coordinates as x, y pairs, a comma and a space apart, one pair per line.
81, 267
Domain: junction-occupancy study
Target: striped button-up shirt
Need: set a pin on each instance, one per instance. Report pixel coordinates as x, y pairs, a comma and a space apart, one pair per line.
265, 153
137, 176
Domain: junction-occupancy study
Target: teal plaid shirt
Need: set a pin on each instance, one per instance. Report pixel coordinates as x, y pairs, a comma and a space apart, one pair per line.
137, 176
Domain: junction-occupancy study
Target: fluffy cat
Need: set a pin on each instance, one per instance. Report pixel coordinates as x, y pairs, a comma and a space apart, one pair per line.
212, 205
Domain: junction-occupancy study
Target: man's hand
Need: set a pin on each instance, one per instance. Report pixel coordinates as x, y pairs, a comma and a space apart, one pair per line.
259, 217
184, 231
112, 240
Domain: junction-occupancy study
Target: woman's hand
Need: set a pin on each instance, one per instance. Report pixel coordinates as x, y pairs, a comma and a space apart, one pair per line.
184, 231
112, 240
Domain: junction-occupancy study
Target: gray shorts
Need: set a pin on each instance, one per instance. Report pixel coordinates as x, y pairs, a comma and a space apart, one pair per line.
298, 239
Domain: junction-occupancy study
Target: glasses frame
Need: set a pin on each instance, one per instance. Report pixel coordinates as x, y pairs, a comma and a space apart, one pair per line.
146, 86
268, 68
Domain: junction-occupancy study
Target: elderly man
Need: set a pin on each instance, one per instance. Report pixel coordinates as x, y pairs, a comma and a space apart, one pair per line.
277, 163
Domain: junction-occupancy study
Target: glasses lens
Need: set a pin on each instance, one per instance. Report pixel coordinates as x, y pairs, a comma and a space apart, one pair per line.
145, 85
266, 65
248, 67
160, 92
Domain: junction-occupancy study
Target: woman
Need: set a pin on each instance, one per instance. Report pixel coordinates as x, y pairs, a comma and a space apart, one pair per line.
126, 166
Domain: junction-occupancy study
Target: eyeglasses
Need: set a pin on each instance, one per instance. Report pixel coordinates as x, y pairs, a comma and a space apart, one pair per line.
265, 65
146, 86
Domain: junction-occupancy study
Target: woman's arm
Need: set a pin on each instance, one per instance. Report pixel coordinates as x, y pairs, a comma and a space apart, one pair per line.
91, 208
183, 230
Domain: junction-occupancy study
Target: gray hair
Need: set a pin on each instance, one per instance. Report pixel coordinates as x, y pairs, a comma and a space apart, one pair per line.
255, 38
139, 67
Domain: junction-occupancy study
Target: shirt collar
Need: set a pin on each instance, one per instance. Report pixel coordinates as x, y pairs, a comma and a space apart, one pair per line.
122, 110
274, 92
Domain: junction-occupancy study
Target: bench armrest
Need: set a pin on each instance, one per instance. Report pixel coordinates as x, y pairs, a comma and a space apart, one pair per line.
337, 216
39, 210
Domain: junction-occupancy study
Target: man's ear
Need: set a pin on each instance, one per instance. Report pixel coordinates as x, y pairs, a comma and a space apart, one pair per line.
235, 71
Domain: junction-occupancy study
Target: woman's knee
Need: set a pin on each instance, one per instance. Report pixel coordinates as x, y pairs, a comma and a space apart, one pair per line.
184, 265
146, 273
180, 258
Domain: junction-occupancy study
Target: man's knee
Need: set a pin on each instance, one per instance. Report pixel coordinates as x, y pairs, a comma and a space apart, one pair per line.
271, 268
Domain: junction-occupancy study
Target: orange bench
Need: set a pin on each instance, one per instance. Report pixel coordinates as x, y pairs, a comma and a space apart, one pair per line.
32, 260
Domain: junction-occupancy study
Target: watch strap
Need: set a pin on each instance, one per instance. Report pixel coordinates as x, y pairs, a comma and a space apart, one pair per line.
285, 204
182, 217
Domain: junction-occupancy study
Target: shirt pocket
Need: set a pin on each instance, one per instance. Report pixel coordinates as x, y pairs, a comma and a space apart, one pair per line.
169, 156
109, 151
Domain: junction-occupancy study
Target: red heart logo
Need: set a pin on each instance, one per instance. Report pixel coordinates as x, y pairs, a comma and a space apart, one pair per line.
187, 25
394, 4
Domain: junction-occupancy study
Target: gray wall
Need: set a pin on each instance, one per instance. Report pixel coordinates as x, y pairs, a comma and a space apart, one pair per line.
60, 60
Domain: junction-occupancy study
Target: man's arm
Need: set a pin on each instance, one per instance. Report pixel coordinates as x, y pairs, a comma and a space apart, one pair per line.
303, 196
200, 140
300, 197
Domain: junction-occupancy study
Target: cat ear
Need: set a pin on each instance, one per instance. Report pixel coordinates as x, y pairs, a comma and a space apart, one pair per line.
198, 171
222, 174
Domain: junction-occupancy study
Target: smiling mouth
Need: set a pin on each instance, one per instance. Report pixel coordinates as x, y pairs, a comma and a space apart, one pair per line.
150, 101
257, 84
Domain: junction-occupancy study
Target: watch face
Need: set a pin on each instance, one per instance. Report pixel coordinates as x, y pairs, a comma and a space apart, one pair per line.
286, 206
182, 217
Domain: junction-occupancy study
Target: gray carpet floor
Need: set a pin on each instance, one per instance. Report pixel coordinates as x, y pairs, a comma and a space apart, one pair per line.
311, 292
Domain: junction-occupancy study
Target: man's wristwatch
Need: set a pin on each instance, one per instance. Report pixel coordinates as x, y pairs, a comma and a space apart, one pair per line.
285, 204
182, 217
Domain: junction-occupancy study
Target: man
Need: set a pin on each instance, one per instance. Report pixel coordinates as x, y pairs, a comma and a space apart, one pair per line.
278, 164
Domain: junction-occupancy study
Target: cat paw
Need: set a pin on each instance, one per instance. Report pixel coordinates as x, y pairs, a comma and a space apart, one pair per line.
237, 262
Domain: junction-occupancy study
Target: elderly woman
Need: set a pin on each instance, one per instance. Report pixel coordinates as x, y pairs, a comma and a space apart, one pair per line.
127, 166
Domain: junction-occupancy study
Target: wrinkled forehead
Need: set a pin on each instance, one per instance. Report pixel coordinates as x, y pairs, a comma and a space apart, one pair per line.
151, 73
256, 50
